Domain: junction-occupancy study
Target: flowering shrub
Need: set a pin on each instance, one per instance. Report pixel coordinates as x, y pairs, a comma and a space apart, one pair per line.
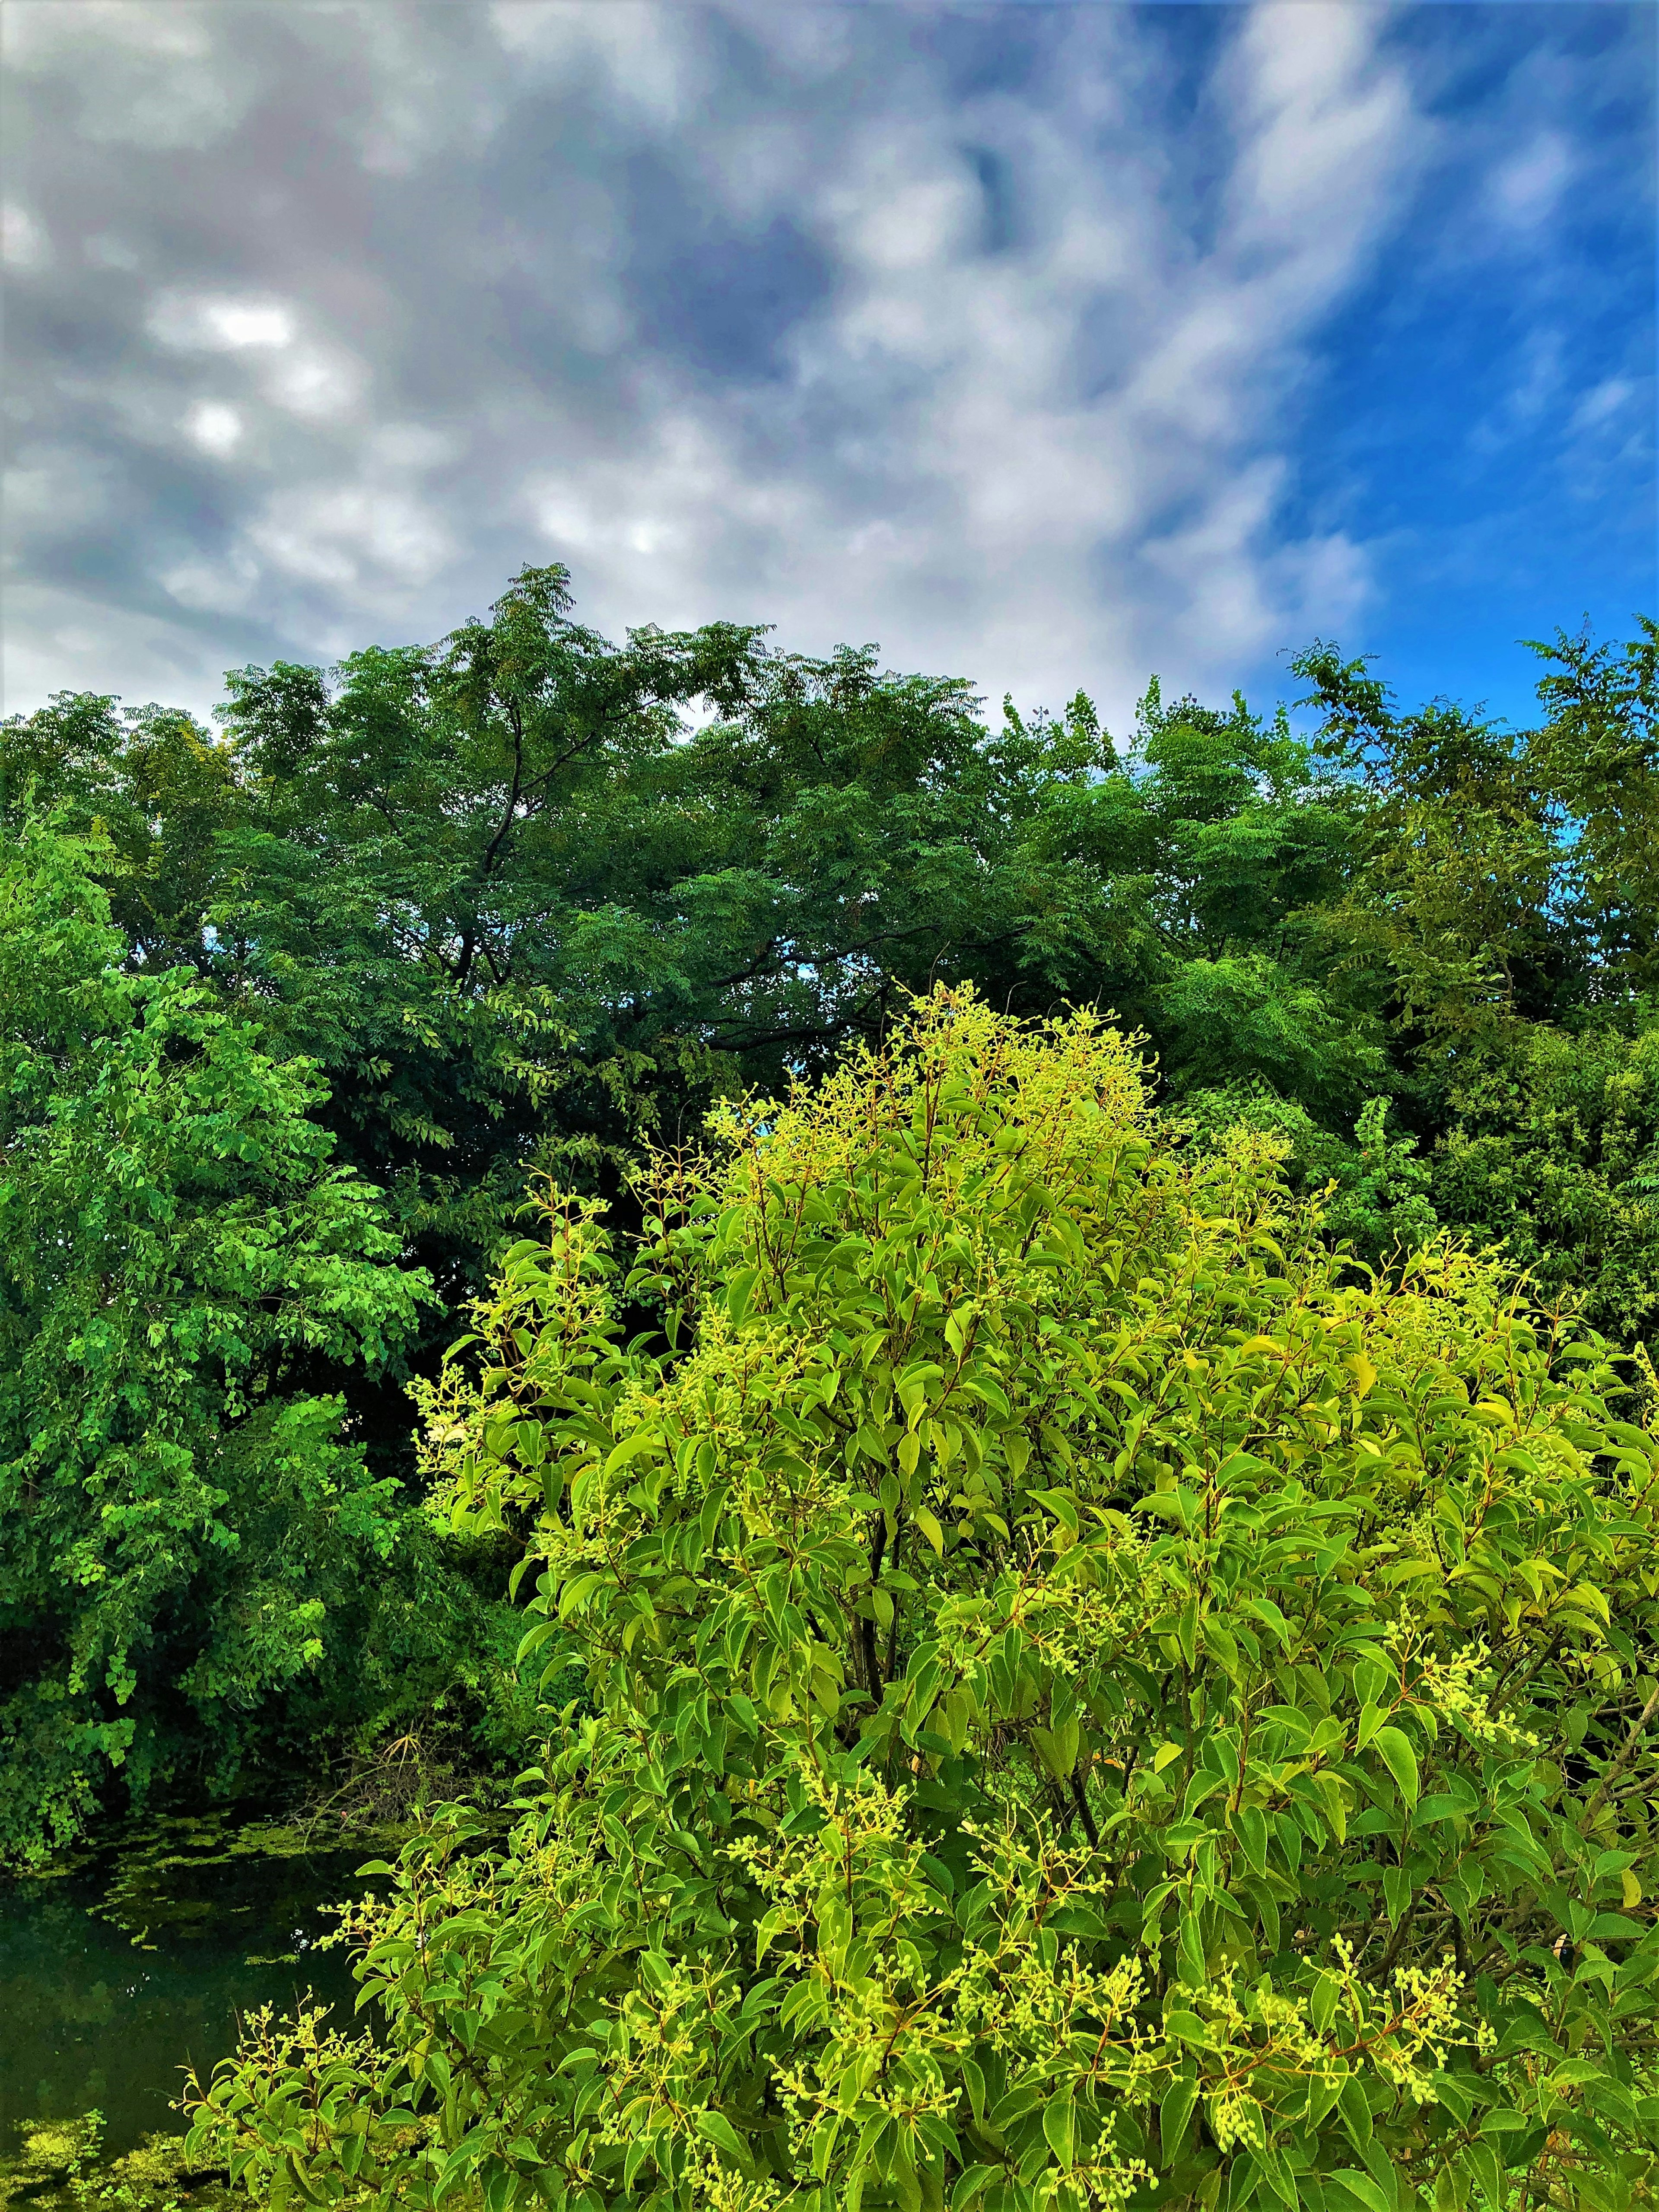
1092, 1701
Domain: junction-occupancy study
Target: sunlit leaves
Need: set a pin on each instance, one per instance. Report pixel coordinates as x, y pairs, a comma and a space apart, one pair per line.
1144, 1770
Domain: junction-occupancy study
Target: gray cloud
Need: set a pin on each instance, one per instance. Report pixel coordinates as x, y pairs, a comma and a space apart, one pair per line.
985, 334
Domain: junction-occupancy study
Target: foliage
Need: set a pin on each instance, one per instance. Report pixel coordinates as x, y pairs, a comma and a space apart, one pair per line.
1500, 910
1460, 903
521, 914
151, 789
1094, 1699
526, 900
188, 1532
1554, 1154
1598, 750
420, 893
1373, 1192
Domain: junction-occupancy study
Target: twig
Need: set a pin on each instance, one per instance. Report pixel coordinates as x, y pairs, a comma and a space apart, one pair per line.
1624, 1756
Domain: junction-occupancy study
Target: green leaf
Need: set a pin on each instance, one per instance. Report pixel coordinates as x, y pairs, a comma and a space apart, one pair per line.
971, 2185
1401, 1760
1484, 2165
1363, 2189
1252, 1827
1355, 2108
1175, 2115
716, 2129
1059, 2123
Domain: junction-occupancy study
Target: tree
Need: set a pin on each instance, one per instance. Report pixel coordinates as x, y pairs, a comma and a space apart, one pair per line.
189, 1536
1371, 1193
1598, 751
1460, 906
1089, 1697
1502, 904
523, 915
152, 791
404, 905
1554, 1155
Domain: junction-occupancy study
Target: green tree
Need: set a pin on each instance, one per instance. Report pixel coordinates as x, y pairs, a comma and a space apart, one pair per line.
404, 903
1554, 1156
1373, 1192
523, 914
1597, 749
1460, 911
1207, 858
1088, 1701
188, 1532
155, 791
1502, 907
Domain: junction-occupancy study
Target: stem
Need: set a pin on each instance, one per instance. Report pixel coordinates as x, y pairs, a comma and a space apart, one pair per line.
1624, 1758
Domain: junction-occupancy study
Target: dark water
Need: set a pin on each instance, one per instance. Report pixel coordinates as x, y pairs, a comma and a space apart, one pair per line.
117, 1977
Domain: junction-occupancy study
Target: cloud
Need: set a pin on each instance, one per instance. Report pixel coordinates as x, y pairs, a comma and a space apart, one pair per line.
157, 79
222, 325
1604, 402
214, 427
24, 245
992, 335
1527, 187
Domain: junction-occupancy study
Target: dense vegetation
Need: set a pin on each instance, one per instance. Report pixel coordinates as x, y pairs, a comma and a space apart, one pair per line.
1202, 1503
1085, 1695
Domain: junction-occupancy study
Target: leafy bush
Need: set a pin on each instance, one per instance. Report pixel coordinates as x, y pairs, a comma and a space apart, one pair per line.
1089, 1703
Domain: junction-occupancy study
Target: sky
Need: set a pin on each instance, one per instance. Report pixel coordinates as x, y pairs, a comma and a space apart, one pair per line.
1049, 345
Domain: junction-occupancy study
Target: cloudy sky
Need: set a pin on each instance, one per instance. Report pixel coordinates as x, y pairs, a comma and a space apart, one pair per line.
1044, 344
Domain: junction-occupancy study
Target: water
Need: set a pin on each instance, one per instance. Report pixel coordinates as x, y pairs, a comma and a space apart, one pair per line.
117, 1978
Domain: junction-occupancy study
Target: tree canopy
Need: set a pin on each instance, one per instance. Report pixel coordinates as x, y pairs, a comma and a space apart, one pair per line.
192, 1539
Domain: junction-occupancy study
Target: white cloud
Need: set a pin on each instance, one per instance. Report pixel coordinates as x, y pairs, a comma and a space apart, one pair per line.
24, 246
159, 79
316, 381
313, 377
105, 250
1604, 402
373, 539
650, 59
979, 504
216, 429
57, 637
988, 334
221, 324
1526, 188
410, 446
225, 585
50, 483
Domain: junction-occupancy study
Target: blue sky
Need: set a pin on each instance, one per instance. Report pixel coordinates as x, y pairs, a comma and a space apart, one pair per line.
1046, 344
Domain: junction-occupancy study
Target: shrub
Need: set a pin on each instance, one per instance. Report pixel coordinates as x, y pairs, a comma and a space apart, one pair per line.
1091, 1701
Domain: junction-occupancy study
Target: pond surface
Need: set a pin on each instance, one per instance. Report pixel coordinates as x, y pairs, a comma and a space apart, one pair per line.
118, 1975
